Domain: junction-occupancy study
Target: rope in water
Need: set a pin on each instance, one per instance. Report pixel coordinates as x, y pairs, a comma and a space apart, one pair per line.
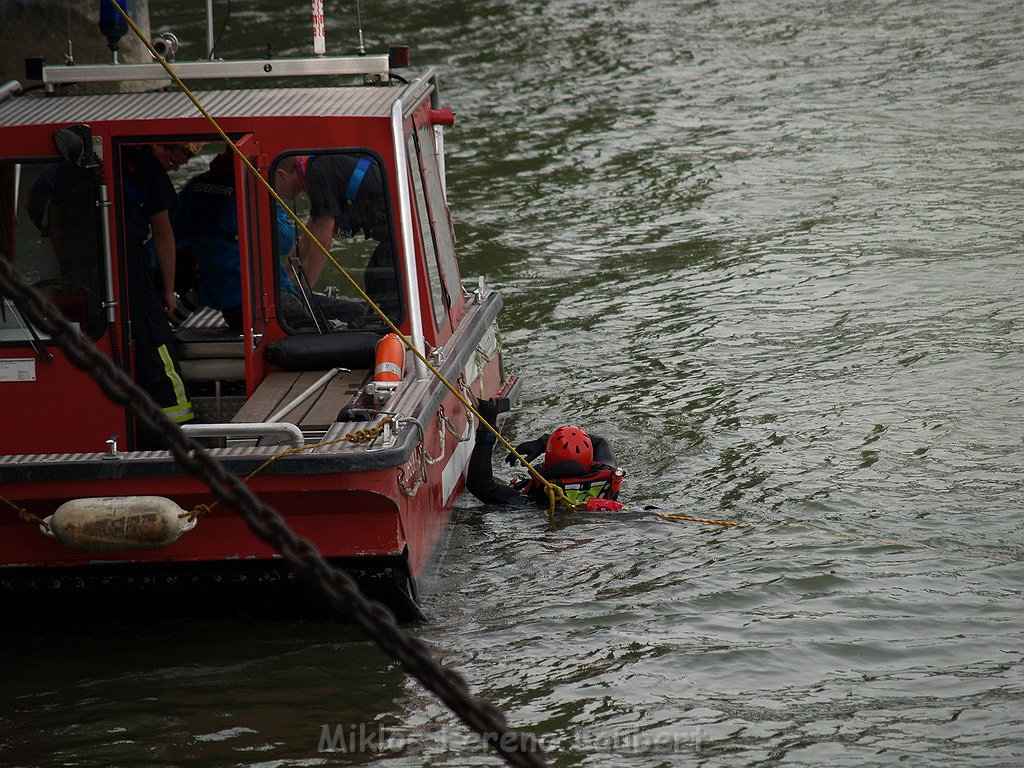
667, 516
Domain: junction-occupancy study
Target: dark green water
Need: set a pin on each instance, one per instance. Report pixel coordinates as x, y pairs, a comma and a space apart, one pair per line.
772, 251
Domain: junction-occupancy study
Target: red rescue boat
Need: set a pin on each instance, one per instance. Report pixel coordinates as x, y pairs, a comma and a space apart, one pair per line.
359, 446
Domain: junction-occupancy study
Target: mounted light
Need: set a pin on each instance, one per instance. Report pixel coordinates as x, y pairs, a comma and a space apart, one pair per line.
398, 56
443, 117
166, 44
112, 25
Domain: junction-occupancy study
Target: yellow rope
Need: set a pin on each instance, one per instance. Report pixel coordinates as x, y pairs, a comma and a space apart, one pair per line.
666, 516
358, 436
554, 492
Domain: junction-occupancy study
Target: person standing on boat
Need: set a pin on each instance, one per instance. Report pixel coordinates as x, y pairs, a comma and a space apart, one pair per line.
581, 464
149, 198
346, 197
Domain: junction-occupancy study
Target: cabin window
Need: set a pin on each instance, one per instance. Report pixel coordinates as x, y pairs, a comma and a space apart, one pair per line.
438, 296
50, 227
341, 196
440, 221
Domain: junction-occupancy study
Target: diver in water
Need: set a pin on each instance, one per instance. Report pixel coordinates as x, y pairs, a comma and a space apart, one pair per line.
582, 465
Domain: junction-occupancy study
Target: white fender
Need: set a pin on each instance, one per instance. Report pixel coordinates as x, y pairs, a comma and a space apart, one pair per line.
118, 522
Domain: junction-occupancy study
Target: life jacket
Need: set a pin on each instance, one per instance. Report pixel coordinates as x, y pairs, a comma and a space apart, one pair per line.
601, 482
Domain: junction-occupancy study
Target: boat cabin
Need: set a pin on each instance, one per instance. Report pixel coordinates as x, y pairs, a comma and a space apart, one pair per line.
66, 223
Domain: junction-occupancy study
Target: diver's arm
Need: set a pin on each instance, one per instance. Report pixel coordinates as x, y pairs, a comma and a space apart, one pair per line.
480, 477
602, 450
310, 256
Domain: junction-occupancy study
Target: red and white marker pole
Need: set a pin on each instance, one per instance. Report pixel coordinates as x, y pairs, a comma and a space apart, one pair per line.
319, 40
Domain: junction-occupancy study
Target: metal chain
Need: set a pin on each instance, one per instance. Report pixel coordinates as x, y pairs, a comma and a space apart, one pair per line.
341, 592
421, 474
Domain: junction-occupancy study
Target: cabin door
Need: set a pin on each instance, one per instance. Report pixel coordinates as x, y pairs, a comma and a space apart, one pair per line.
51, 231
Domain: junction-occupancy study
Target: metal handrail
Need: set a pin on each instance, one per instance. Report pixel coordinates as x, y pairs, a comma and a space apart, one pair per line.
373, 66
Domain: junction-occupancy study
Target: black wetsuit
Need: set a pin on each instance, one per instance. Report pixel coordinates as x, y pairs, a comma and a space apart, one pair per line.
480, 476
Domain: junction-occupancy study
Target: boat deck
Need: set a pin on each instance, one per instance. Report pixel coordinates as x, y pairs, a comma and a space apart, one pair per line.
317, 411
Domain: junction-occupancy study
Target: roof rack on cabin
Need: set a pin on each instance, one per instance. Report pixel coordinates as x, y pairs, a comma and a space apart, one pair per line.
374, 69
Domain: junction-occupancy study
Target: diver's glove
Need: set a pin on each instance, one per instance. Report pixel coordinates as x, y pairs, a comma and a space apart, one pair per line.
488, 411
529, 450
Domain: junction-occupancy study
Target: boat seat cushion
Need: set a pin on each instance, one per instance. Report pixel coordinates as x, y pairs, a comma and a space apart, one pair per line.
196, 343
210, 352
318, 352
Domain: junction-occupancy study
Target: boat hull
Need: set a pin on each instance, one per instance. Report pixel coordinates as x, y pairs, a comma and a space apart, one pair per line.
131, 592
380, 514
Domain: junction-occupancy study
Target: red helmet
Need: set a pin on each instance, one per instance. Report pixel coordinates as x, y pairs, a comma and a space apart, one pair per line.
569, 443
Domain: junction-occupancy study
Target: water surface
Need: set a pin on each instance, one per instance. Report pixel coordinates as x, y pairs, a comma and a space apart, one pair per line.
772, 252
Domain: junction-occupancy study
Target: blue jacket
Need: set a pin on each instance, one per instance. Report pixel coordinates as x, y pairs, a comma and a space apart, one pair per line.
208, 223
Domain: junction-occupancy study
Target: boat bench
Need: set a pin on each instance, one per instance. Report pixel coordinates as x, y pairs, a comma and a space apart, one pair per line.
306, 358
208, 350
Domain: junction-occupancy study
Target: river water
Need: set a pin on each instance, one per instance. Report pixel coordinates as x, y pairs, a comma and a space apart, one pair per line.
770, 250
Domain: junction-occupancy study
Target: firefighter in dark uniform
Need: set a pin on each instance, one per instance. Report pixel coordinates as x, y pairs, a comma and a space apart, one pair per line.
149, 198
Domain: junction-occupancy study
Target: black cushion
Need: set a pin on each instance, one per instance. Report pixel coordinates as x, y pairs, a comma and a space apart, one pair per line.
318, 352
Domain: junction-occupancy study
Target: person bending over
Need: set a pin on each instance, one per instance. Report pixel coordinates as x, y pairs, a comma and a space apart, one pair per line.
208, 224
346, 197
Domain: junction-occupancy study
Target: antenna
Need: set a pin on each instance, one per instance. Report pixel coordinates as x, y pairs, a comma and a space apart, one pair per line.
69, 58
209, 28
361, 50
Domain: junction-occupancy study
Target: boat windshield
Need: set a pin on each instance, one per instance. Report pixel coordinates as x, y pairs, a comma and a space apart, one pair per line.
342, 198
50, 227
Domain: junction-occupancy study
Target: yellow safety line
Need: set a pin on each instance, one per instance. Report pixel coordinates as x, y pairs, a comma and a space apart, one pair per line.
666, 516
555, 493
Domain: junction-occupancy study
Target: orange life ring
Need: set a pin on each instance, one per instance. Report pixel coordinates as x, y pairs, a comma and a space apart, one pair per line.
390, 361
